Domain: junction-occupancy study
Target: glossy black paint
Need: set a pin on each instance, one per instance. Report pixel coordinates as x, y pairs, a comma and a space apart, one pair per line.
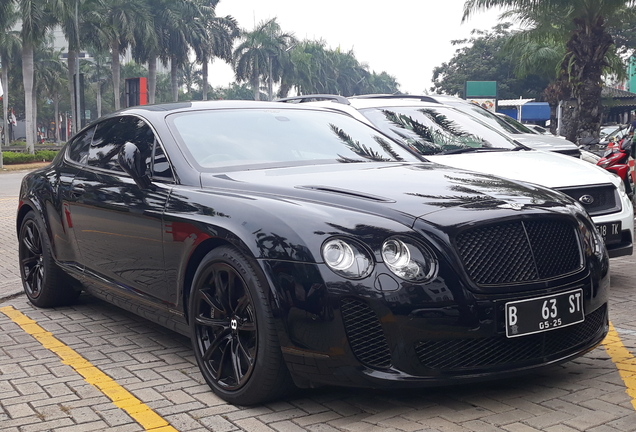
137, 243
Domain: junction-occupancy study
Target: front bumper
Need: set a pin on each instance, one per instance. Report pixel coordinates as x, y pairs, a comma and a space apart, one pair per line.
341, 332
626, 217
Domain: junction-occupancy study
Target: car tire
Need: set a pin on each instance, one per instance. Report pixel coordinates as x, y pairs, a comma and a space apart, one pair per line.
233, 331
45, 284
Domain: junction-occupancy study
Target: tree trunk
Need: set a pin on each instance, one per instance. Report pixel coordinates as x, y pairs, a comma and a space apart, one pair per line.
152, 79
283, 90
587, 48
99, 98
255, 88
204, 73
114, 46
56, 105
270, 80
27, 79
99, 91
570, 120
553, 117
35, 115
5, 102
173, 80
72, 58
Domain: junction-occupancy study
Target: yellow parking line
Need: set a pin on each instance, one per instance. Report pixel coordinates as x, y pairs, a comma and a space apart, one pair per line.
145, 416
624, 361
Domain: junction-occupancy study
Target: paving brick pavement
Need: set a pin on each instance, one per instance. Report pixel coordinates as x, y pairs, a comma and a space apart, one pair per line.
40, 393
9, 271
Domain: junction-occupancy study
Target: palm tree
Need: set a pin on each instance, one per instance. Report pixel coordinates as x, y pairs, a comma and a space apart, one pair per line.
350, 75
36, 21
259, 55
10, 46
51, 78
123, 21
78, 20
586, 48
177, 23
216, 40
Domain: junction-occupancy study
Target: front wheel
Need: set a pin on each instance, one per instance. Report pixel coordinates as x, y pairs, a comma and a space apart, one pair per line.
45, 284
233, 332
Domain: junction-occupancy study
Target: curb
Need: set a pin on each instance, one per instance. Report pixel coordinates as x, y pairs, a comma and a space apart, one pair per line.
10, 289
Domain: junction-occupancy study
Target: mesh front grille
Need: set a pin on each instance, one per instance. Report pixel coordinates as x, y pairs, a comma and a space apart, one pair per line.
466, 354
519, 251
365, 334
603, 199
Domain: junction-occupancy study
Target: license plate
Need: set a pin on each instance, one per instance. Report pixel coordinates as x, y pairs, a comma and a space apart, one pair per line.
540, 314
610, 231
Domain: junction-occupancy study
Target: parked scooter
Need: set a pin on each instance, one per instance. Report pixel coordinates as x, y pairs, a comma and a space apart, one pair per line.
617, 158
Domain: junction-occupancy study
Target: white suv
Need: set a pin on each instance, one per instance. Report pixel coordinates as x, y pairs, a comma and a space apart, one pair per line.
442, 134
511, 127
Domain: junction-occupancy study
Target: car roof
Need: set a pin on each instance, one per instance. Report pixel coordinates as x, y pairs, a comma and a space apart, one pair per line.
359, 102
165, 108
158, 111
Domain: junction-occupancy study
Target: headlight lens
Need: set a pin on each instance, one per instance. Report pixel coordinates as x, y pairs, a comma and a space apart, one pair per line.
346, 258
408, 260
593, 241
621, 186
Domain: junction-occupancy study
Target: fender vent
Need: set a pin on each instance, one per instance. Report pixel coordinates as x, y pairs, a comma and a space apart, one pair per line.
365, 334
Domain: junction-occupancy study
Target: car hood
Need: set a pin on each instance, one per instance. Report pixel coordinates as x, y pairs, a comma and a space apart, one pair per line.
548, 169
410, 189
545, 142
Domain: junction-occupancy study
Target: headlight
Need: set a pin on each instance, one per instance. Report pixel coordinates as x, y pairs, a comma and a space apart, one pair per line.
592, 238
408, 260
621, 186
346, 258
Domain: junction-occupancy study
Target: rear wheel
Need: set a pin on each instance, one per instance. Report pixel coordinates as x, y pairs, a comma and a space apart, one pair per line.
233, 332
45, 284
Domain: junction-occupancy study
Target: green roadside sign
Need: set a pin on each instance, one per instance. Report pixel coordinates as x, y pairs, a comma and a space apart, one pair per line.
481, 89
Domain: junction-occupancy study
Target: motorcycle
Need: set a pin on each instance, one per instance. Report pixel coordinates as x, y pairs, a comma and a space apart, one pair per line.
618, 160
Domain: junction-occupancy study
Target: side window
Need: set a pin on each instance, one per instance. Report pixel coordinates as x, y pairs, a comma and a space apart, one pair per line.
78, 148
112, 134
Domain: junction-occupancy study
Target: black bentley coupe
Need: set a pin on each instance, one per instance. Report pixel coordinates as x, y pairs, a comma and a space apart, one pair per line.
297, 246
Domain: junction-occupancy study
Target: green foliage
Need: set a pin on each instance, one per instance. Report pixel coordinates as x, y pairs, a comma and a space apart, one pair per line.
481, 58
233, 91
9, 157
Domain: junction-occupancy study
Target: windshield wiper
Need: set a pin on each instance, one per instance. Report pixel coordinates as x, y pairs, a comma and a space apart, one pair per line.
473, 149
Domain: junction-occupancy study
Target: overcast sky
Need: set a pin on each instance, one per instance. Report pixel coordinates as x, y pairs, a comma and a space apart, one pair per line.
405, 38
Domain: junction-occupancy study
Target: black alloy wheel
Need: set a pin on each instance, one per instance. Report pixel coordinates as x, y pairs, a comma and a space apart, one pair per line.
31, 259
233, 332
226, 326
45, 284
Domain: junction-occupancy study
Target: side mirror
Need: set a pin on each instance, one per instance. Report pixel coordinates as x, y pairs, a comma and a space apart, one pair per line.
129, 159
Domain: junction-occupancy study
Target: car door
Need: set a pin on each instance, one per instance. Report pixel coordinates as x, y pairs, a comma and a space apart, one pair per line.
118, 225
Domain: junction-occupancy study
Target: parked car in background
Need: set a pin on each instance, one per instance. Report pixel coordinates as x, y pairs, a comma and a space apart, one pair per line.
296, 245
511, 127
443, 134
613, 133
538, 129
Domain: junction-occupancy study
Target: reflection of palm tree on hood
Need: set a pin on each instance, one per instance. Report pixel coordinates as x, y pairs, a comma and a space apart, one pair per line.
482, 188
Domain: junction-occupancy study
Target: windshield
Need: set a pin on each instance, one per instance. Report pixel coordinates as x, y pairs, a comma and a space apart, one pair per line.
436, 130
521, 128
486, 116
240, 137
